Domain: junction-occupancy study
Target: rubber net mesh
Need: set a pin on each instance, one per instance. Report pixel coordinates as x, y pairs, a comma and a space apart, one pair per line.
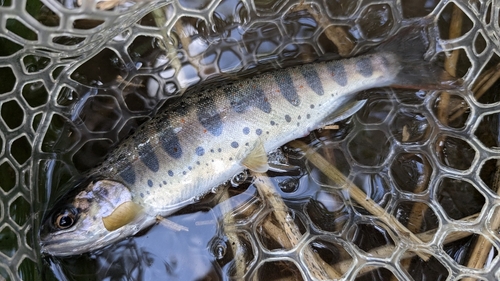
77, 76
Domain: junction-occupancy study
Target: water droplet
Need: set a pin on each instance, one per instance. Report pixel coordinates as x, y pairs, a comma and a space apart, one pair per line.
289, 185
218, 248
240, 178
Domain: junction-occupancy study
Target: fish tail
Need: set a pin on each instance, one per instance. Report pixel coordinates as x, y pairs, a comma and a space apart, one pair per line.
416, 55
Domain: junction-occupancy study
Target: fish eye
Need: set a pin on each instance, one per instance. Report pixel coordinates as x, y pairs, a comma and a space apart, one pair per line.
65, 219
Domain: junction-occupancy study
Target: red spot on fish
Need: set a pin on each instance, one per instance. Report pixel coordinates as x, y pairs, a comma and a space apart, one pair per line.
277, 91
183, 121
204, 131
301, 86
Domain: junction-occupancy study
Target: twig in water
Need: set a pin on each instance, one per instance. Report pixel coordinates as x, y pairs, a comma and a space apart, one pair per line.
358, 195
317, 267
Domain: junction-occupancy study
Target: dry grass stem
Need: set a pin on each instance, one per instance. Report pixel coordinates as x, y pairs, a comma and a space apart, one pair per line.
277, 234
234, 241
483, 246
336, 34
170, 224
318, 268
443, 113
450, 64
483, 83
168, 45
388, 250
358, 195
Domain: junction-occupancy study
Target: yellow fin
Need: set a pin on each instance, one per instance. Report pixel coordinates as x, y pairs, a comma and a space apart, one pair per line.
256, 161
122, 215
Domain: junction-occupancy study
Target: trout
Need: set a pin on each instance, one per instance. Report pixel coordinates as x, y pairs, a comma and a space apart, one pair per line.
202, 140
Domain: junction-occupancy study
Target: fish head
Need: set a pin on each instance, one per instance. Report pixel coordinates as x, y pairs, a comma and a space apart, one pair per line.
94, 215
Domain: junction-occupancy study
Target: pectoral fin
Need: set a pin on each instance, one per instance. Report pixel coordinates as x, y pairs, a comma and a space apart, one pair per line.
122, 215
256, 161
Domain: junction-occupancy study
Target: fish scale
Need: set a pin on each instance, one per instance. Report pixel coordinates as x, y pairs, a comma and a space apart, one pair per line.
201, 141
180, 155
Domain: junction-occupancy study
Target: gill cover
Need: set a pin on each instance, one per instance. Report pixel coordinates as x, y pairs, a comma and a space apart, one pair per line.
94, 215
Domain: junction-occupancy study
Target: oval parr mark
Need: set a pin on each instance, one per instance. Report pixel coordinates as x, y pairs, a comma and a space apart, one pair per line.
209, 117
287, 89
246, 96
148, 157
338, 73
312, 78
170, 143
128, 175
364, 67
288, 118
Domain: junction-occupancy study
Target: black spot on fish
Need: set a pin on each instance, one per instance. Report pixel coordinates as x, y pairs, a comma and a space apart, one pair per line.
337, 71
164, 182
246, 130
150, 183
258, 132
234, 144
184, 172
364, 67
190, 168
251, 95
128, 175
288, 118
148, 156
142, 195
209, 117
287, 90
212, 150
200, 151
230, 158
247, 144
197, 162
299, 117
311, 106
298, 124
170, 173
273, 123
219, 150
308, 116
312, 78
170, 143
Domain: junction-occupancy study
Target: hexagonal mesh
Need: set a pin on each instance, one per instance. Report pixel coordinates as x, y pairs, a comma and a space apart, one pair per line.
415, 196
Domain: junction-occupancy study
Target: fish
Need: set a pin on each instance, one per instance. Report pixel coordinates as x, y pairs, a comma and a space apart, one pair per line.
203, 139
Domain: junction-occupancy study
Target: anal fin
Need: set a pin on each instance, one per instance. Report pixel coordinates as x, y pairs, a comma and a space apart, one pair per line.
344, 112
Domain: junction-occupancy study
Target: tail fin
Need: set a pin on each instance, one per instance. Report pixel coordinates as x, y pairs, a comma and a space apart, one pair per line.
415, 51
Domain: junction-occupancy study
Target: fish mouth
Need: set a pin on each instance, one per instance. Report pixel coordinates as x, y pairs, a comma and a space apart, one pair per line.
52, 245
